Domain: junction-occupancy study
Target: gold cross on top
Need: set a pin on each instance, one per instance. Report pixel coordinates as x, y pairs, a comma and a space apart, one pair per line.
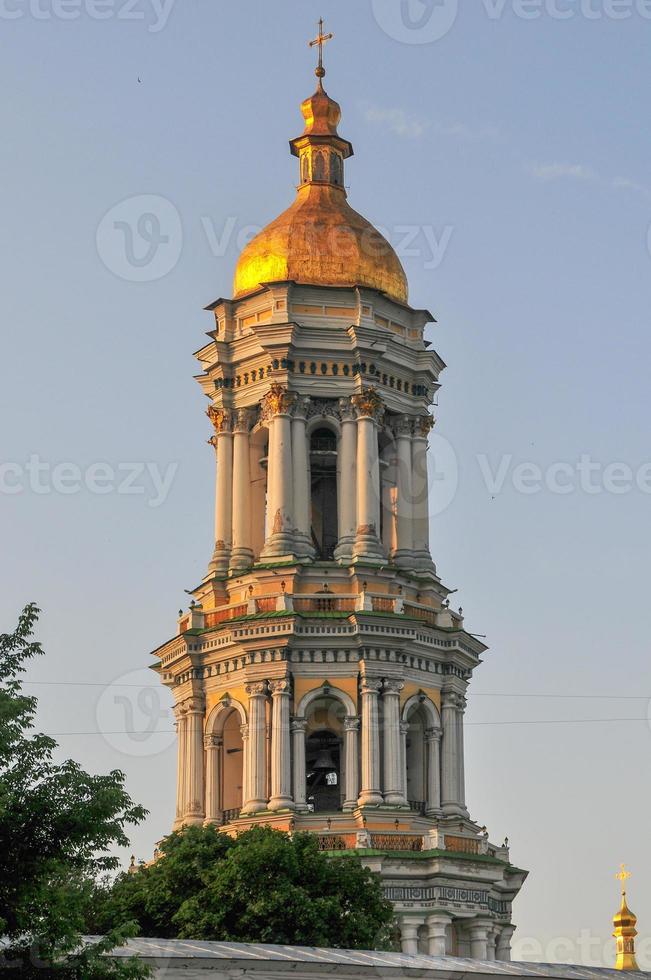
320, 41
623, 876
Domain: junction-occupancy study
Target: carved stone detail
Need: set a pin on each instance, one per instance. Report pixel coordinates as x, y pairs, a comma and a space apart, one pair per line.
324, 408
277, 401
220, 418
244, 419
424, 425
369, 405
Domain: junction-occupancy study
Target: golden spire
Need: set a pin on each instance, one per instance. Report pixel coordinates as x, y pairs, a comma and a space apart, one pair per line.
320, 41
625, 931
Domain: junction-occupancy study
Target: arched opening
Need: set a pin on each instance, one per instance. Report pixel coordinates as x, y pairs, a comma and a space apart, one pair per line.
318, 164
324, 759
323, 490
259, 453
232, 766
323, 771
416, 760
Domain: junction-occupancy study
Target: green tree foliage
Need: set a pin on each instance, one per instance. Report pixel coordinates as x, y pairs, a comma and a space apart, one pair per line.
263, 886
57, 823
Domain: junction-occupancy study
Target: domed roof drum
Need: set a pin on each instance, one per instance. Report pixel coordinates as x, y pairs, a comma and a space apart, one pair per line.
320, 240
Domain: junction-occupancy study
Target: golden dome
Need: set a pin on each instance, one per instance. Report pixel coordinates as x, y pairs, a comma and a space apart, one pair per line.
320, 240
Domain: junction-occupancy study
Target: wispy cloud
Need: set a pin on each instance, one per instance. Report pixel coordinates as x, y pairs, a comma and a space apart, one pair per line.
558, 171
402, 124
578, 171
396, 121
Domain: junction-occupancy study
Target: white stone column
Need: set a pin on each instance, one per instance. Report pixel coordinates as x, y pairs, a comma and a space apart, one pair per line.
223, 443
280, 474
420, 492
301, 468
280, 746
504, 940
479, 940
257, 755
351, 753
370, 794
450, 763
404, 554
298, 728
347, 480
433, 749
246, 795
404, 732
194, 804
461, 708
181, 767
370, 411
409, 926
393, 791
213, 746
437, 926
242, 552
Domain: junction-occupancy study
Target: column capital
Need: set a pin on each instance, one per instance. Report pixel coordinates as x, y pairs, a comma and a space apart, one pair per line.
244, 731
391, 686
370, 685
212, 741
256, 689
244, 419
221, 419
280, 687
369, 405
277, 401
351, 723
301, 407
433, 734
402, 426
195, 705
423, 425
298, 725
347, 410
450, 699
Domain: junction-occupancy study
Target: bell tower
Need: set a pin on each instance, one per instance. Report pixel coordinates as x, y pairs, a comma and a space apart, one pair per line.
320, 674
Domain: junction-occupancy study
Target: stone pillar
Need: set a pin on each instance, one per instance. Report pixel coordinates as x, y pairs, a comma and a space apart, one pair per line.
280, 493
404, 554
244, 732
242, 553
461, 708
409, 926
370, 794
298, 727
437, 926
370, 411
351, 753
194, 804
492, 939
420, 492
256, 799
347, 481
450, 764
223, 443
213, 746
393, 791
404, 732
503, 950
280, 746
433, 749
479, 940
301, 468
181, 767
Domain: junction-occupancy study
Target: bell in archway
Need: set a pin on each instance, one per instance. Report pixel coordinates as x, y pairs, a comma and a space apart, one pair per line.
324, 761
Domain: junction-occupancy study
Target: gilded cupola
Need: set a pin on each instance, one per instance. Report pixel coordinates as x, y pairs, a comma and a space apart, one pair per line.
320, 240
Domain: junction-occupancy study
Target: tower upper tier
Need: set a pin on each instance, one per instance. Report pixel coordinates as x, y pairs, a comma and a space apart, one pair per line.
320, 240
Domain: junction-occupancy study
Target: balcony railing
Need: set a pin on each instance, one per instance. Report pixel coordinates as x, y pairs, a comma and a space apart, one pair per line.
230, 815
418, 806
324, 603
463, 845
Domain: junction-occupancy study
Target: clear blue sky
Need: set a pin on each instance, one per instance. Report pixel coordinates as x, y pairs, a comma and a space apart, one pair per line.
523, 144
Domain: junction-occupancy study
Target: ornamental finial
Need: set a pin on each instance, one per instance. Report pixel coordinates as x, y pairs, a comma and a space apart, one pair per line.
320, 41
625, 931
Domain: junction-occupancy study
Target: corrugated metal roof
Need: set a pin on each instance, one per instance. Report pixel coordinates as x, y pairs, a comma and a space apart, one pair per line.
354, 959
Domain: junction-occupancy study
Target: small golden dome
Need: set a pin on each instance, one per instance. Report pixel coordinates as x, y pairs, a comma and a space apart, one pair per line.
625, 919
320, 240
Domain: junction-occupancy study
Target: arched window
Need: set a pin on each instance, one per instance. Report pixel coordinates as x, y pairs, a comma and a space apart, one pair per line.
232, 766
323, 771
323, 489
306, 169
336, 175
416, 762
318, 167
